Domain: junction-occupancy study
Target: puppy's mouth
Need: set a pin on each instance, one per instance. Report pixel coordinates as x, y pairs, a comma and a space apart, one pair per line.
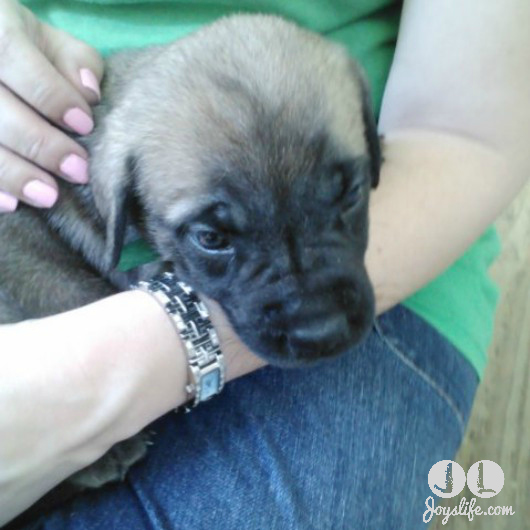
289, 349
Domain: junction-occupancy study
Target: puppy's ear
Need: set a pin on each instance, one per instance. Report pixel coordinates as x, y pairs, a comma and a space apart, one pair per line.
119, 203
111, 146
370, 131
112, 184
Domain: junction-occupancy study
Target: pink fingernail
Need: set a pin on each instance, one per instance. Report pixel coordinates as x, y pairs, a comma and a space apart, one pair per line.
8, 203
78, 120
40, 194
76, 168
90, 81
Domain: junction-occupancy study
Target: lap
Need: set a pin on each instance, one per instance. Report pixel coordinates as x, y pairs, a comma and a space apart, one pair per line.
346, 444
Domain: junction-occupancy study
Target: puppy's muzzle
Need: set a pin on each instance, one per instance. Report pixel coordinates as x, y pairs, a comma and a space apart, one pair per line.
305, 318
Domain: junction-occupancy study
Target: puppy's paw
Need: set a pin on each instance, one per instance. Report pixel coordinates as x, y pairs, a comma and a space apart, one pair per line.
113, 465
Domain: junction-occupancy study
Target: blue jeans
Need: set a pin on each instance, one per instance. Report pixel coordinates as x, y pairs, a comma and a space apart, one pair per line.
344, 445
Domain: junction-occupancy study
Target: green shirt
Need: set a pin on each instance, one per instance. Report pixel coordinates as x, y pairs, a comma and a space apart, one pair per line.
461, 302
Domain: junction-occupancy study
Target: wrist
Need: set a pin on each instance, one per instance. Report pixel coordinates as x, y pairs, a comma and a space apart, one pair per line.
206, 337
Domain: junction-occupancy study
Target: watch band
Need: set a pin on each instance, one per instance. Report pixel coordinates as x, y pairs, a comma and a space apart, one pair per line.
206, 367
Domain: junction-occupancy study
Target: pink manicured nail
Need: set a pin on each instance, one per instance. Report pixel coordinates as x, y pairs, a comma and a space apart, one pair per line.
78, 120
76, 168
40, 194
89, 80
8, 203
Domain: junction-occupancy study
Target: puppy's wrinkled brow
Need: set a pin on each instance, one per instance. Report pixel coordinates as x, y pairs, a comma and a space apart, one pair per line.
186, 208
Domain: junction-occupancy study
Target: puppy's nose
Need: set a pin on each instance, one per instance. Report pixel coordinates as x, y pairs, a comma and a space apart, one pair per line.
326, 333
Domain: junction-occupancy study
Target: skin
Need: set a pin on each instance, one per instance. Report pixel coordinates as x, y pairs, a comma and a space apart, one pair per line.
43, 72
455, 156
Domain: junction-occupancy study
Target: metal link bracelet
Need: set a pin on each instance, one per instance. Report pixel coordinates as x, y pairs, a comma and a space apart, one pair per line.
206, 367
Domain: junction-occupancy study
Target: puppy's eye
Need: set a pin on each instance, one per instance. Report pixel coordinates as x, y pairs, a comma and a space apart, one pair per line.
353, 195
333, 187
211, 241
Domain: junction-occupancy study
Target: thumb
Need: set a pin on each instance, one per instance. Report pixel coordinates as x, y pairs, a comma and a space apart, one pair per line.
76, 61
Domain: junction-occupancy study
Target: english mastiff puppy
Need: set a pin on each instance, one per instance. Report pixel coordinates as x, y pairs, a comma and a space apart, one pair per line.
243, 155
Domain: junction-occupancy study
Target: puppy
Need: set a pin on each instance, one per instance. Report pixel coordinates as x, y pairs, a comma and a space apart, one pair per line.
244, 155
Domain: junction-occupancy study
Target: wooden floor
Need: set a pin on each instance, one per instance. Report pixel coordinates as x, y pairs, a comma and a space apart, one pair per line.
499, 429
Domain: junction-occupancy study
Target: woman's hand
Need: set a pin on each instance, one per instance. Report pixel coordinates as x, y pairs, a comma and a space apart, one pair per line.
48, 80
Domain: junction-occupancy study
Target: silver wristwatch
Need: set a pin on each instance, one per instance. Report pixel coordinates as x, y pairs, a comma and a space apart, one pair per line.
206, 368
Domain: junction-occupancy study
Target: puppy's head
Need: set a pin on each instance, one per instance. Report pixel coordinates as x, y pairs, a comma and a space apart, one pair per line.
250, 148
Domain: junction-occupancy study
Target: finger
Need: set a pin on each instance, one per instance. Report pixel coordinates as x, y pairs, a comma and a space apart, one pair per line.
27, 134
22, 180
76, 61
27, 72
8, 203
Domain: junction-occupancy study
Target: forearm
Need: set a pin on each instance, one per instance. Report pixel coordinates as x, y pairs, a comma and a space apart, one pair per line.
456, 117
74, 384
438, 193
77, 383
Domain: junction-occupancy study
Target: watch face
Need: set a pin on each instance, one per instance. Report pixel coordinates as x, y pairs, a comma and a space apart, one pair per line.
210, 384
